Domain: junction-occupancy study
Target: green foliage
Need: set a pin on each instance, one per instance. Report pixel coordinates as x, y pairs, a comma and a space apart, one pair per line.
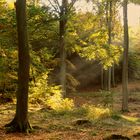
107, 98
134, 65
8, 52
135, 1
40, 91
40, 54
134, 55
106, 55
92, 42
116, 116
86, 34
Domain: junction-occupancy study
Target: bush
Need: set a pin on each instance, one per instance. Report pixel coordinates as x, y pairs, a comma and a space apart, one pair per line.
50, 96
96, 113
59, 104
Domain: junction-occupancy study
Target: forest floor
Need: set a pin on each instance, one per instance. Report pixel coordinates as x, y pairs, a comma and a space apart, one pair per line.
51, 125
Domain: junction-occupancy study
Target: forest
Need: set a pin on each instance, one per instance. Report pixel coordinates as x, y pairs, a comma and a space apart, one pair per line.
69, 69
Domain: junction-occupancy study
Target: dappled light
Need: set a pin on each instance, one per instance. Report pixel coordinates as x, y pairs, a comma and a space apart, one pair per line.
69, 70
129, 118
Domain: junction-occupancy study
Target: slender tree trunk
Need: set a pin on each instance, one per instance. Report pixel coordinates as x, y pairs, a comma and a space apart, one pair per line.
102, 78
125, 59
113, 76
114, 5
20, 122
105, 72
109, 26
102, 69
109, 79
62, 29
109, 39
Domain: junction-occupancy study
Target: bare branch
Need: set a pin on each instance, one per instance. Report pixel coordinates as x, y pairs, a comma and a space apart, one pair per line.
72, 4
56, 9
57, 2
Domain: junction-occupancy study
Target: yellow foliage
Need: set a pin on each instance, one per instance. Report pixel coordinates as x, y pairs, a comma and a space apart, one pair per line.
49, 95
57, 103
96, 113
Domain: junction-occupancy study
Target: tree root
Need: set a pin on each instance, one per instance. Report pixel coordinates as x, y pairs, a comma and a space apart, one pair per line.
116, 137
11, 123
15, 126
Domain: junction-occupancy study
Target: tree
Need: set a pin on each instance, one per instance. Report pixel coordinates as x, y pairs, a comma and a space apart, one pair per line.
62, 30
125, 60
20, 122
109, 27
108, 9
62, 10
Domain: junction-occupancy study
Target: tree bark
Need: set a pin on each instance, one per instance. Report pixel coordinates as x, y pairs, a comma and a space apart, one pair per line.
125, 59
20, 122
62, 30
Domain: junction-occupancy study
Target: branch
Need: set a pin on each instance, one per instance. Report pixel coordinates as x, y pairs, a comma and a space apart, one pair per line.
55, 8
57, 2
72, 4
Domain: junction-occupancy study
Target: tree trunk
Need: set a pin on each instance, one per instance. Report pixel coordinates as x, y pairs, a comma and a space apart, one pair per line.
125, 59
109, 39
109, 27
20, 122
102, 78
109, 79
62, 29
113, 76
105, 80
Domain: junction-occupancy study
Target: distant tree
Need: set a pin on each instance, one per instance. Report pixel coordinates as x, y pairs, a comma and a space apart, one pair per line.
108, 9
20, 122
125, 59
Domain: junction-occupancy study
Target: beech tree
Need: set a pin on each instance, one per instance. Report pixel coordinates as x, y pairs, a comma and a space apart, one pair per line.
20, 122
62, 30
125, 59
